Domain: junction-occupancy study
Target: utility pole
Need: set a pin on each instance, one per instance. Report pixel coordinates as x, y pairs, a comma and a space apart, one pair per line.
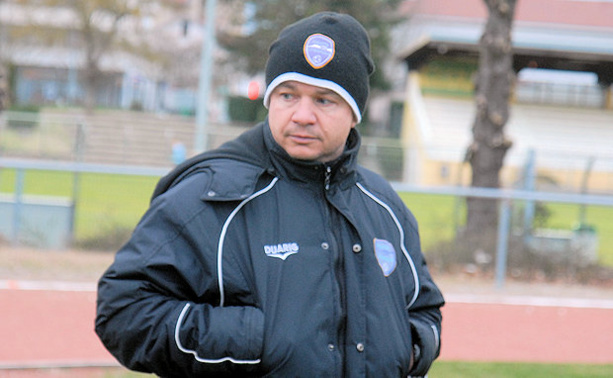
204, 82
4, 87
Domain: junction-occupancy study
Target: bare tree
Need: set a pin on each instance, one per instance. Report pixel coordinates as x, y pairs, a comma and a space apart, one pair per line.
99, 20
92, 28
493, 87
3, 71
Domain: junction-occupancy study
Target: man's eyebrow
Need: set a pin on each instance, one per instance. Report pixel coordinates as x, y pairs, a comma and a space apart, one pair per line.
321, 91
286, 85
326, 91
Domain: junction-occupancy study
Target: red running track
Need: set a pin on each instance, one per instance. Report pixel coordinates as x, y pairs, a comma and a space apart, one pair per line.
55, 328
40, 328
527, 333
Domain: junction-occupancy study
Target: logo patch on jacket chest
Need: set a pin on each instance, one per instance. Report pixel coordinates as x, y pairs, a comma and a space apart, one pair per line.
282, 250
386, 256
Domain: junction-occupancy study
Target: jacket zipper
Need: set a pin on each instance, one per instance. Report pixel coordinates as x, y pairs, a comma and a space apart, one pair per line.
327, 178
339, 266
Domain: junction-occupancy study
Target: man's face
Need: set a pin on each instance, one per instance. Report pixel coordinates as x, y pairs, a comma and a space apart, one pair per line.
309, 122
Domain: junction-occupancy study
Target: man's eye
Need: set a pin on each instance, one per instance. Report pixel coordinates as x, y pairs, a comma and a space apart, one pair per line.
325, 101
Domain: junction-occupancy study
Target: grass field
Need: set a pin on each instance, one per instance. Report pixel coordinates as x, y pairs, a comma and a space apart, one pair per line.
517, 370
438, 216
106, 202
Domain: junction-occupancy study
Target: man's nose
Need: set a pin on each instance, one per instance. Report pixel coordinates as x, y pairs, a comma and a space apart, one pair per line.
304, 113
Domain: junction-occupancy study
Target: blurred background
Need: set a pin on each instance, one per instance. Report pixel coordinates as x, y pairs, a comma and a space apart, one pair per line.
493, 119
100, 98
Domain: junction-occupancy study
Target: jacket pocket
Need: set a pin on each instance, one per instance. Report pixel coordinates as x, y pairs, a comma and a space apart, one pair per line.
215, 335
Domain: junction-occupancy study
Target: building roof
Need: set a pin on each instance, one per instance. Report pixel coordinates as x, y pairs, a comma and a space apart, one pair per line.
559, 42
578, 13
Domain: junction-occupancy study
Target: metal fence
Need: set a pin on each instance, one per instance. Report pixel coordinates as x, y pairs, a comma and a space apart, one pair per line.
506, 198
145, 139
72, 180
59, 211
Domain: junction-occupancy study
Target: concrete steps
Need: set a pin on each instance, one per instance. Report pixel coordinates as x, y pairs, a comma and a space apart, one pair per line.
134, 138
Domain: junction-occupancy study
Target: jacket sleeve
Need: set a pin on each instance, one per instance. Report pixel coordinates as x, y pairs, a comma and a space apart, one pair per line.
157, 307
424, 313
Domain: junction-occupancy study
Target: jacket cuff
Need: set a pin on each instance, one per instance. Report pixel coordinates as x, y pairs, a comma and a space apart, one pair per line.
425, 348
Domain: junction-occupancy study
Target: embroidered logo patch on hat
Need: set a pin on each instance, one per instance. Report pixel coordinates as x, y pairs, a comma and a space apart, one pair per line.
386, 256
318, 50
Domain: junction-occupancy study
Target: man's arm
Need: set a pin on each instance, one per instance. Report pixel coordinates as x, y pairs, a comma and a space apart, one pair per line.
157, 307
425, 314
182, 339
425, 318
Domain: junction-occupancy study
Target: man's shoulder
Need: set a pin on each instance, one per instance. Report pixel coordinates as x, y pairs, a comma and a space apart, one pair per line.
383, 189
219, 179
374, 181
232, 179
242, 155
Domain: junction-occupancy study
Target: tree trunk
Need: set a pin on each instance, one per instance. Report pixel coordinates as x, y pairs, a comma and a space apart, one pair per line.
493, 86
92, 58
92, 74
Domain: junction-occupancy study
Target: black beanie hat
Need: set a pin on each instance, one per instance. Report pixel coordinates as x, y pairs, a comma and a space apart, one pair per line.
329, 50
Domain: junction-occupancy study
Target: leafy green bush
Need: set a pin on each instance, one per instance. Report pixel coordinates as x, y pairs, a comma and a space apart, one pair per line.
26, 117
241, 109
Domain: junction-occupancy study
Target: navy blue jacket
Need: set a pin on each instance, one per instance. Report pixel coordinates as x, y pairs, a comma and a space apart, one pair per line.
250, 263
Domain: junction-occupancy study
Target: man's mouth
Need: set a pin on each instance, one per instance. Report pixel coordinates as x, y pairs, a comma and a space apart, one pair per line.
302, 138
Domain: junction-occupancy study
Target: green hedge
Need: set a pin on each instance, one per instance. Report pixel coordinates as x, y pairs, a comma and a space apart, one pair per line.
242, 109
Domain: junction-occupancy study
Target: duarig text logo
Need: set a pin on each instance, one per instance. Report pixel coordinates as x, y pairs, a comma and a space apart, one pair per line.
282, 250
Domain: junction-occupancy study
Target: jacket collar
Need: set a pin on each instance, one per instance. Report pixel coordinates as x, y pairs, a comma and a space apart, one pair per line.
256, 152
340, 171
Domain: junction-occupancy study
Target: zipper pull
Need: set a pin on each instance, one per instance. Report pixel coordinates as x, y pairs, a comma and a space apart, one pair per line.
327, 178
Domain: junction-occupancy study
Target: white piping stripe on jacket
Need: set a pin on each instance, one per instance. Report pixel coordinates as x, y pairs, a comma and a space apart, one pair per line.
437, 337
220, 283
195, 354
224, 229
400, 229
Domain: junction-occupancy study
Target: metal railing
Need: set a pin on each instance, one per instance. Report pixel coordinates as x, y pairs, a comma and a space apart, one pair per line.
505, 196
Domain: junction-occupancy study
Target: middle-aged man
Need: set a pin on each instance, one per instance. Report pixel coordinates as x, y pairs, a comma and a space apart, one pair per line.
277, 254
